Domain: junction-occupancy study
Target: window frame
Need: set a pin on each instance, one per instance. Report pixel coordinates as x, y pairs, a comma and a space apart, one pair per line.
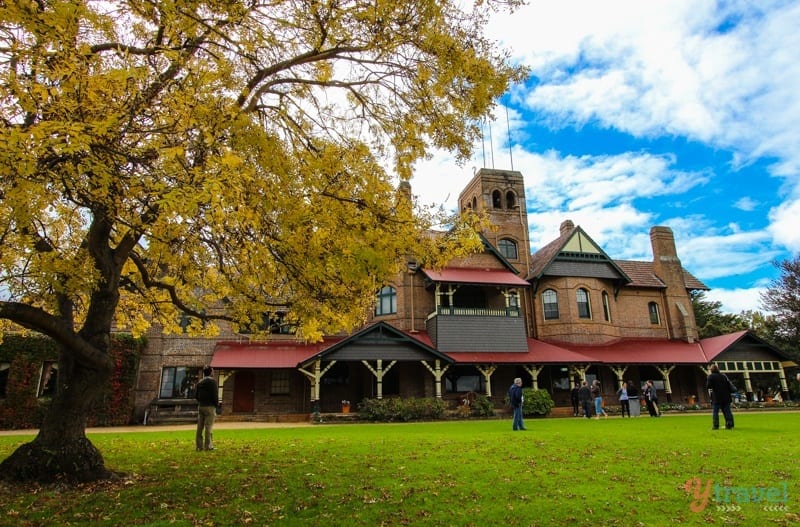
606, 306
548, 312
279, 382
180, 387
584, 307
503, 246
497, 199
511, 199
386, 293
655, 313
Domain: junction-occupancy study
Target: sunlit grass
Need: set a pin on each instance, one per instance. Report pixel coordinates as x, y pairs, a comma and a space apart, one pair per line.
561, 472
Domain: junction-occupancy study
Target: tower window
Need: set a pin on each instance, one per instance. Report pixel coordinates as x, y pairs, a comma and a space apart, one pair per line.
508, 248
654, 316
550, 304
474, 203
497, 200
387, 301
584, 310
511, 200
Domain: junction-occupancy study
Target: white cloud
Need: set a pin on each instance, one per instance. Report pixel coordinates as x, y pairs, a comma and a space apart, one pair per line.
737, 300
746, 204
785, 227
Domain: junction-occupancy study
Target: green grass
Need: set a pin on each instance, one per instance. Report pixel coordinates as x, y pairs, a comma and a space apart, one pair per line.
561, 472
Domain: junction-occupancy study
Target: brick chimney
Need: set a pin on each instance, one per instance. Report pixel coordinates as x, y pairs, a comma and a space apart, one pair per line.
678, 313
566, 227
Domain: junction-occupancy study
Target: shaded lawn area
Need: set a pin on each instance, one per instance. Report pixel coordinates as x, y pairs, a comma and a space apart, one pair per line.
626, 472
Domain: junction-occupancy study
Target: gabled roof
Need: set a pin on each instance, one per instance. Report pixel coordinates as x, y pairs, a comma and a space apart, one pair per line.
379, 341
461, 275
715, 346
574, 245
491, 249
645, 351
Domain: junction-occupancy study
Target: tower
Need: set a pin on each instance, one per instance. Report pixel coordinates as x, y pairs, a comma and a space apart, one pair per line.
500, 194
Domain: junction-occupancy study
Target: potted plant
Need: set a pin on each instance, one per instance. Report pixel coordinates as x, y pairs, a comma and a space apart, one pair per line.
345, 406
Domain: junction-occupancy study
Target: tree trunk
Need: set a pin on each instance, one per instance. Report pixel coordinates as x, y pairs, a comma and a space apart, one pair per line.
61, 451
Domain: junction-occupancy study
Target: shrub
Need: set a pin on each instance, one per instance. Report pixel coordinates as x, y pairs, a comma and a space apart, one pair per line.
536, 402
483, 406
394, 409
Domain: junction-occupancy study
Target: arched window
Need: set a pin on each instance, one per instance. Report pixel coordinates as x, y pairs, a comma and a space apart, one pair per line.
474, 203
497, 200
4, 369
584, 310
654, 317
606, 307
550, 304
387, 301
508, 248
511, 199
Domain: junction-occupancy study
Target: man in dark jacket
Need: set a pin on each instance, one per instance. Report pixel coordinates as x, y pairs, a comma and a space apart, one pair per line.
721, 390
515, 399
207, 395
585, 398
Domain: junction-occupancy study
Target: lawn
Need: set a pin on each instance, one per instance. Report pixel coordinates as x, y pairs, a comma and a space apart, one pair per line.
627, 472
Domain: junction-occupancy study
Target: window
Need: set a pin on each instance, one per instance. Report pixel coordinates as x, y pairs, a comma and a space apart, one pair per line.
178, 381
464, 379
4, 369
497, 200
653, 308
387, 301
584, 311
508, 248
511, 200
474, 203
276, 323
48, 382
606, 307
550, 304
279, 383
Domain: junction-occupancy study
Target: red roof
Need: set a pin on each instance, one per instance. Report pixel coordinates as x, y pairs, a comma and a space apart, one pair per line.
280, 354
538, 352
645, 351
462, 275
713, 346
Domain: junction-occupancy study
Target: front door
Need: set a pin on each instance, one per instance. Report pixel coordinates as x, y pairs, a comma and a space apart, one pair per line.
243, 392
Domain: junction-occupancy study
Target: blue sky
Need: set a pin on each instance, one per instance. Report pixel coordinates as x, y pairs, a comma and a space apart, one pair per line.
636, 114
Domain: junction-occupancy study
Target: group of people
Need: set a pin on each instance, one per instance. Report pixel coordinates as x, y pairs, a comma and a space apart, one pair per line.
587, 401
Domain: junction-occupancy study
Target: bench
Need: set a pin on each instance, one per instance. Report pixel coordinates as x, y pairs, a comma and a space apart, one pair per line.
170, 410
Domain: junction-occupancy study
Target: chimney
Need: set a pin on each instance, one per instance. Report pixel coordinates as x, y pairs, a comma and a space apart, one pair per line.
663, 242
566, 227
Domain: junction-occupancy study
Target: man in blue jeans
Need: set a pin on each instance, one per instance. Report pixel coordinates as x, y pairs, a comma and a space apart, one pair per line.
515, 399
207, 395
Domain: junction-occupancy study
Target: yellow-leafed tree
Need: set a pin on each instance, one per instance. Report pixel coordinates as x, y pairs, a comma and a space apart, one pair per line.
164, 158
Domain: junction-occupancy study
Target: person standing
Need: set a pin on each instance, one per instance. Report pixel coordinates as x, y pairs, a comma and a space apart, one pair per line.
651, 396
598, 400
207, 395
516, 399
585, 398
576, 400
624, 404
722, 391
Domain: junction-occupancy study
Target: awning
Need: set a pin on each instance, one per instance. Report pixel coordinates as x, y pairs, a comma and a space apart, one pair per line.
458, 275
538, 353
243, 355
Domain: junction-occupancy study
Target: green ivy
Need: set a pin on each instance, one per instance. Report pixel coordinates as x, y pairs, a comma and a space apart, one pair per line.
22, 409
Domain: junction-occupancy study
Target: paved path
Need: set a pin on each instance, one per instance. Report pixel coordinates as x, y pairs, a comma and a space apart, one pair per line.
222, 425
